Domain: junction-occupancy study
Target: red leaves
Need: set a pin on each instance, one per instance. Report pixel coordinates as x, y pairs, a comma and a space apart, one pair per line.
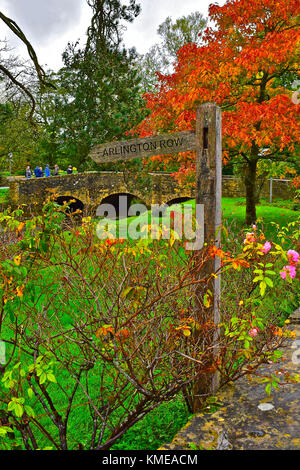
114, 241
252, 44
104, 330
121, 335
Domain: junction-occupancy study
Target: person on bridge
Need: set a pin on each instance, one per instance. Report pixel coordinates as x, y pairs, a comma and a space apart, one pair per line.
28, 172
37, 172
70, 170
56, 170
47, 171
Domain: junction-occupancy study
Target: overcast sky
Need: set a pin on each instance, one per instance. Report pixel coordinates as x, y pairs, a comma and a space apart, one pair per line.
50, 24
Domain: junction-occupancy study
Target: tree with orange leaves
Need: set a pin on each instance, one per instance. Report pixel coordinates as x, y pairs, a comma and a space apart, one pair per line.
245, 60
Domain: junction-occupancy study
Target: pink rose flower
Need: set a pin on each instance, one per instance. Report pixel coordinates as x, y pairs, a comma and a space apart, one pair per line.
266, 248
253, 332
293, 257
291, 270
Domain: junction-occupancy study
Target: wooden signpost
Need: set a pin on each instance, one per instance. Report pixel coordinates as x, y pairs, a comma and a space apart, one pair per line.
208, 193
206, 140
143, 148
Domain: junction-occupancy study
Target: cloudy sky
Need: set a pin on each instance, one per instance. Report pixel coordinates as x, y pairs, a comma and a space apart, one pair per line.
50, 24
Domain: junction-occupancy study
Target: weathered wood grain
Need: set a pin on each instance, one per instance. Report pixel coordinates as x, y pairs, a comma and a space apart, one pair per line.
208, 193
163, 144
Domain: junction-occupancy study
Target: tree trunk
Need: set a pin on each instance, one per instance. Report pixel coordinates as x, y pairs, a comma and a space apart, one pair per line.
250, 185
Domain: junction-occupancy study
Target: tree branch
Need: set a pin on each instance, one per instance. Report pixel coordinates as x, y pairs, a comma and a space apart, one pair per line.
18, 32
32, 54
26, 91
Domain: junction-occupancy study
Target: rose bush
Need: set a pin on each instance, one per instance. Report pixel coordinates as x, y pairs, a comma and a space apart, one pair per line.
99, 332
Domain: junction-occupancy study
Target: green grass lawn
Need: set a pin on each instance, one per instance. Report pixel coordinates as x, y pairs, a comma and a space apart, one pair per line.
233, 211
4, 194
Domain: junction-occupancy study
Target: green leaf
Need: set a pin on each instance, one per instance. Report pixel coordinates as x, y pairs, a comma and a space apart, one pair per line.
263, 287
269, 282
51, 378
271, 273
126, 292
9, 308
275, 385
43, 378
289, 279
19, 410
29, 411
4, 430
11, 406
268, 389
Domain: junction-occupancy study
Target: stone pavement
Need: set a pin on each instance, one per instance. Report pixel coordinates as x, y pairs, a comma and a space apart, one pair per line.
247, 418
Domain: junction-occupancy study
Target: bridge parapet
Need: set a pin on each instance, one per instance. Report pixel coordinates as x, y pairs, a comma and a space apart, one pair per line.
91, 188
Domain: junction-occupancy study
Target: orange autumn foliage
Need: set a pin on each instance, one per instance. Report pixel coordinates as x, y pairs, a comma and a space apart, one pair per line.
239, 65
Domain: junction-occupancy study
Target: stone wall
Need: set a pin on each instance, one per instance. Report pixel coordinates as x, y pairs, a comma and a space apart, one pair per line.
281, 189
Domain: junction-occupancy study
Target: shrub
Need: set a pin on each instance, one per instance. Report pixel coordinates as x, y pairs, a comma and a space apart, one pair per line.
100, 332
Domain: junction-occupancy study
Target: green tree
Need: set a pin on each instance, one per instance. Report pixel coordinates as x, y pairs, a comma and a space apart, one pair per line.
98, 97
173, 35
17, 136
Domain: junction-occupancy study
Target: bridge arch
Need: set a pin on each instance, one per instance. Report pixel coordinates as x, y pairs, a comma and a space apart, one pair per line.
73, 203
121, 202
179, 200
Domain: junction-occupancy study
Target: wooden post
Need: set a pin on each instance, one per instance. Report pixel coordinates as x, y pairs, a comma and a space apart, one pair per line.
208, 193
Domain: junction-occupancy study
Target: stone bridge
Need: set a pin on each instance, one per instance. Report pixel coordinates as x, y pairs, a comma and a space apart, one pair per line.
88, 190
